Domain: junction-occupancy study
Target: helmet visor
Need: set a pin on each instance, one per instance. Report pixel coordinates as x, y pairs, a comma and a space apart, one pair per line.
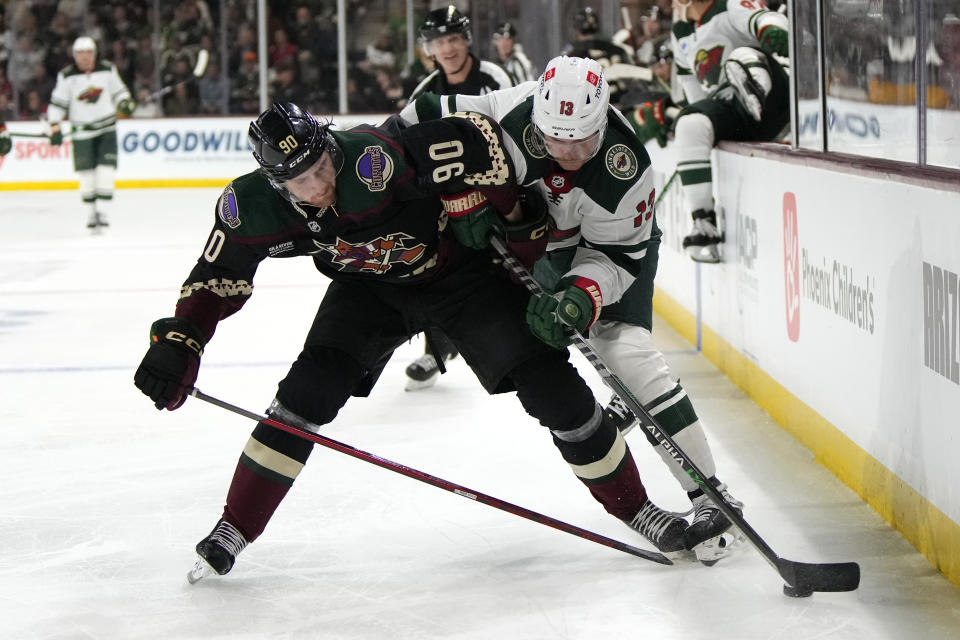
572, 150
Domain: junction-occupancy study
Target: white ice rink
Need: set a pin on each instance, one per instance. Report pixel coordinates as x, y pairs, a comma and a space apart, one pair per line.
102, 497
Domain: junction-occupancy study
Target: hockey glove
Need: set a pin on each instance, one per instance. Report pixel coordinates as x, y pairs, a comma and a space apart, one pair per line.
774, 40
654, 120
527, 238
125, 107
577, 306
5, 142
56, 137
472, 218
170, 367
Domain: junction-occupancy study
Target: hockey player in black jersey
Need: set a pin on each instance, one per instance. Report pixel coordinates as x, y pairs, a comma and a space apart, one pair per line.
362, 203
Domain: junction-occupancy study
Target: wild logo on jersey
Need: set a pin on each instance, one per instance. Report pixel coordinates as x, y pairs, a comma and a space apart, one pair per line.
376, 256
91, 95
707, 65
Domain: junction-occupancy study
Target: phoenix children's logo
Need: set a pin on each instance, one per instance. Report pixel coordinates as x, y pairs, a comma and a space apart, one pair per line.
91, 95
378, 255
791, 265
375, 168
707, 65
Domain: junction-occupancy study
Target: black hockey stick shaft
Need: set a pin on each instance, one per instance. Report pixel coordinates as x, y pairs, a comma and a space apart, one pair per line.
452, 487
843, 576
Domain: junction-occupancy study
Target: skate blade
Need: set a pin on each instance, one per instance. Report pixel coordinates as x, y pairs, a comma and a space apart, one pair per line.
709, 552
416, 385
199, 571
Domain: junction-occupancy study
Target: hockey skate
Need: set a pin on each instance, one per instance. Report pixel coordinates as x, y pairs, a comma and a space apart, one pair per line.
217, 552
620, 415
749, 92
663, 528
702, 243
96, 221
711, 535
423, 372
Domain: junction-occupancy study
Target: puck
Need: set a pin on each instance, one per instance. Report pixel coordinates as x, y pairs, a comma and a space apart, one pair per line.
798, 591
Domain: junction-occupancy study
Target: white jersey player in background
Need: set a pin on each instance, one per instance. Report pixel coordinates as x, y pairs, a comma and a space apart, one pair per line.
90, 93
731, 60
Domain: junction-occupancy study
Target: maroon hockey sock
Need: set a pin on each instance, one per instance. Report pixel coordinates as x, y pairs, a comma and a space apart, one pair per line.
621, 493
251, 501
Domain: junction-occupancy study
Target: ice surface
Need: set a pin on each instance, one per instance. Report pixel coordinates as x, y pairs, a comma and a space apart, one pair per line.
102, 497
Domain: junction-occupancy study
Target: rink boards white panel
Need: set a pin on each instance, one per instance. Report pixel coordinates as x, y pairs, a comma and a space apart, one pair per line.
836, 307
152, 153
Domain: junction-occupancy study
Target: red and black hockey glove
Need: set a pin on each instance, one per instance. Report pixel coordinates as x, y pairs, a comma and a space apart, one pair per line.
169, 368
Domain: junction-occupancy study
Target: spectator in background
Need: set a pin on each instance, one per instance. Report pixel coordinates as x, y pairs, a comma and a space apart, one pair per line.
246, 43
419, 68
590, 44
23, 61
245, 89
58, 38
286, 87
121, 27
40, 82
212, 89
6, 89
6, 109
92, 28
282, 52
181, 102
178, 76
510, 53
123, 58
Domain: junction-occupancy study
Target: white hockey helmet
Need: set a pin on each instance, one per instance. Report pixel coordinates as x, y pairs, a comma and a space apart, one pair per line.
84, 43
572, 100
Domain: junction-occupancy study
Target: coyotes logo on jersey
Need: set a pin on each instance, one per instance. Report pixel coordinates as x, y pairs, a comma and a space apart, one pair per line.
376, 256
90, 94
707, 65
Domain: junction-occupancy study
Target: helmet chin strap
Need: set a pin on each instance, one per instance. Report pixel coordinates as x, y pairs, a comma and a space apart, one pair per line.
460, 68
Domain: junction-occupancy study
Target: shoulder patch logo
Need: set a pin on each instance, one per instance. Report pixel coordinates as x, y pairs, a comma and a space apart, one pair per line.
227, 208
375, 168
532, 143
621, 162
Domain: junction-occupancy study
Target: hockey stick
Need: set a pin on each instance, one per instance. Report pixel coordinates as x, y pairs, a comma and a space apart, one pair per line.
801, 578
437, 482
199, 68
17, 134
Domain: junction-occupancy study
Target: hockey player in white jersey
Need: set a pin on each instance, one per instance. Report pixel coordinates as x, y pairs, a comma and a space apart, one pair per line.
90, 94
730, 62
567, 143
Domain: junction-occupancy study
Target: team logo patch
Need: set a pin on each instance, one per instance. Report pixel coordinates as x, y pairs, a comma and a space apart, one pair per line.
314, 226
533, 143
375, 168
707, 65
378, 255
621, 162
90, 95
228, 210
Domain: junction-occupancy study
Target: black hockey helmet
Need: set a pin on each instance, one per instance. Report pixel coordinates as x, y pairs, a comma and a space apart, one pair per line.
505, 30
665, 52
586, 21
287, 141
443, 22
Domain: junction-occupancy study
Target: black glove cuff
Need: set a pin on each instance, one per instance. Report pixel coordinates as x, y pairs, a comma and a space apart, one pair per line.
179, 332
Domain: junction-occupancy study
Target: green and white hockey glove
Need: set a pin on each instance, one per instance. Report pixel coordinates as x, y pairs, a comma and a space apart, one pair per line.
125, 107
577, 305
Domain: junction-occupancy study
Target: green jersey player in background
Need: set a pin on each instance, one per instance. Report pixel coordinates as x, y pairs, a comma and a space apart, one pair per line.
582, 156
90, 93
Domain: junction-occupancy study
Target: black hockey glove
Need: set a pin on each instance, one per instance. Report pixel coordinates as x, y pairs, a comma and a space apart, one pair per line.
170, 367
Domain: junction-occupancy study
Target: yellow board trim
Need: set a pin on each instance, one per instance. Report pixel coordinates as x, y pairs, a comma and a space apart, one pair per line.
120, 184
927, 528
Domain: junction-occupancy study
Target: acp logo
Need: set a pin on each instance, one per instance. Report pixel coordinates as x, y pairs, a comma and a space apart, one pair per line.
791, 265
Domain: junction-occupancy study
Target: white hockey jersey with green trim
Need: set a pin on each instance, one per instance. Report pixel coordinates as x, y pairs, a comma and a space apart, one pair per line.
701, 47
88, 100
